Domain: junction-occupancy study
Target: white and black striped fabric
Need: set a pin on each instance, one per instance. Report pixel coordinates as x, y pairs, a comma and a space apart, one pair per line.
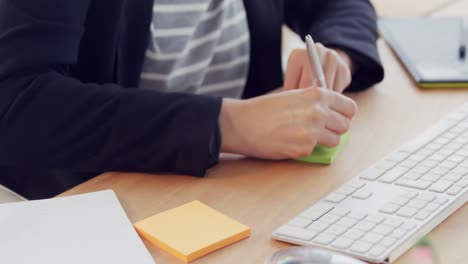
198, 46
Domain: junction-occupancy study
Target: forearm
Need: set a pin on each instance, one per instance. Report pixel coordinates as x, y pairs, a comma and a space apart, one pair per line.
59, 122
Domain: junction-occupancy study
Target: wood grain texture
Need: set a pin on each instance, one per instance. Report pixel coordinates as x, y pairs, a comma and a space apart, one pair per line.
265, 194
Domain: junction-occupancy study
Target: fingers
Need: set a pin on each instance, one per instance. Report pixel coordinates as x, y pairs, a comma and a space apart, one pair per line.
337, 123
330, 68
301, 74
306, 78
343, 79
329, 139
342, 104
293, 71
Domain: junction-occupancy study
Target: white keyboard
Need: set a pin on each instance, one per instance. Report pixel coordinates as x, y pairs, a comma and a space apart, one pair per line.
387, 208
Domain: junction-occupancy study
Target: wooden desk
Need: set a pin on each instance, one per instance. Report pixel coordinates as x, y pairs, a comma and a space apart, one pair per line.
264, 195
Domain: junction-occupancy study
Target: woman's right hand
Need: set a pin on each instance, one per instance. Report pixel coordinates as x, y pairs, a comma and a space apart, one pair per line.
285, 125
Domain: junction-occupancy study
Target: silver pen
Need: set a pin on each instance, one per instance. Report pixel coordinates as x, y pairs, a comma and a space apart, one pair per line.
314, 60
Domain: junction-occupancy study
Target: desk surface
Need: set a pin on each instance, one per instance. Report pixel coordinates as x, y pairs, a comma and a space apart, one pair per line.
264, 195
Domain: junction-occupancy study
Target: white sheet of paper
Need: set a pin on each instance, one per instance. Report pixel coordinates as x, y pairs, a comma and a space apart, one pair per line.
90, 228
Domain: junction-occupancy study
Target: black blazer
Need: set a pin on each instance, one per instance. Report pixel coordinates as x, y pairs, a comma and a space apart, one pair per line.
68, 69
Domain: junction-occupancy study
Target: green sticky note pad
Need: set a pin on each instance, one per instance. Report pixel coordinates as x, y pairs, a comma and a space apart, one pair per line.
324, 155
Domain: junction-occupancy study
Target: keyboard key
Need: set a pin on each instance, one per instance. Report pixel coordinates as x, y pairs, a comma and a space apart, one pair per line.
376, 219
316, 211
399, 233
335, 197
397, 156
460, 170
464, 164
425, 151
362, 194
342, 243
440, 186
428, 197
432, 207
383, 229
340, 211
372, 238
336, 230
354, 234
463, 183
423, 215
388, 242
393, 222
456, 158
346, 190
439, 170
454, 190
437, 157
393, 174
356, 184
417, 204
407, 212
411, 176
421, 169
409, 194
431, 177
324, 239
371, 174
385, 164
442, 141
419, 184
400, 201
408, 226
361, 246
453, 177
347, 222
318, 226
389, 208
377, 251
330, 218
417, 157
408, 164
297, 233
433, 146
364, 226
448, 164
441, 201
300, 222
356, 215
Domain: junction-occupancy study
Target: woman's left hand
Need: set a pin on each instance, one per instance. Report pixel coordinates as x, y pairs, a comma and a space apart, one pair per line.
337, 67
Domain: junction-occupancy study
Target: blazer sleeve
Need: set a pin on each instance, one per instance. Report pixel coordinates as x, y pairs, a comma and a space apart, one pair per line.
348, 25
51, 120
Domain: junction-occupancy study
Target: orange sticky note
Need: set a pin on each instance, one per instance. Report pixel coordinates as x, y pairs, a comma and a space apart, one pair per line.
191, 231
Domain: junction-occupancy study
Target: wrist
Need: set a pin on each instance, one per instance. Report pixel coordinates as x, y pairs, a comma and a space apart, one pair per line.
231, 137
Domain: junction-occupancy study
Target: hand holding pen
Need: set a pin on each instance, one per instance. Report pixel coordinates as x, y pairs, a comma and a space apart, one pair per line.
301, 72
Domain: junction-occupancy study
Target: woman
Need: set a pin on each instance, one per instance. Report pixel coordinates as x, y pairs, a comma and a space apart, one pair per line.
69, 72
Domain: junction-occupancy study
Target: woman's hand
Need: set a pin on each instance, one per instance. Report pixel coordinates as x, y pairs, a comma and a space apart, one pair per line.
285, 125
337, 67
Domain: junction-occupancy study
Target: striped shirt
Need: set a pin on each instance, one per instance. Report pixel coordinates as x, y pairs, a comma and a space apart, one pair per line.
198, 46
